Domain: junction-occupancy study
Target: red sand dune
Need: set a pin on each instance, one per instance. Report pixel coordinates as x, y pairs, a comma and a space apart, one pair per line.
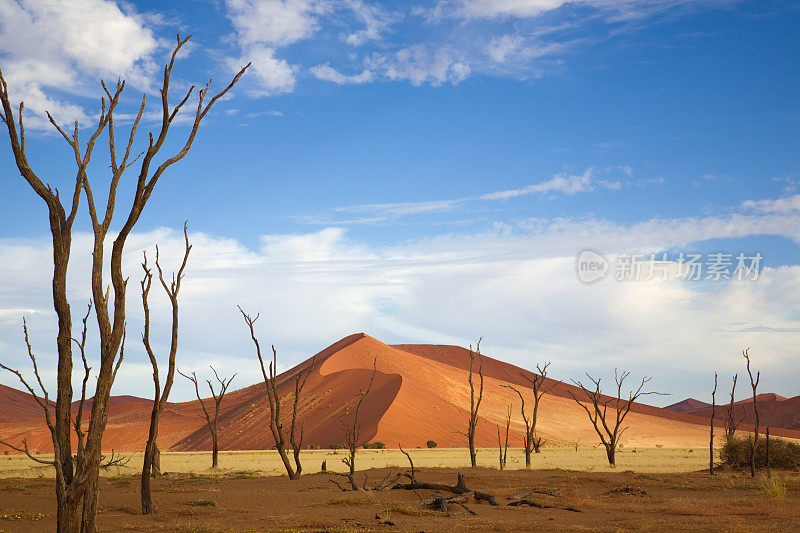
688, 405
773, 410
420, 393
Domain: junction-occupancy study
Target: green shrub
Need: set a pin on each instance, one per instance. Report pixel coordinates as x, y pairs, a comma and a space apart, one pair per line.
431, 444
313, 446
783, 454
337, 446
374, 445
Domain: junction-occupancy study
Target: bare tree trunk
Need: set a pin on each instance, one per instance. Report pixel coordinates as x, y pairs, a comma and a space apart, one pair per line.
766, 436
144, 485
213, 424
275, 423
711, 424
609, 430
214, 451
474, 404
754, 385
352, 432
76, 477
160, 397
611, 453
90, 497
156, 470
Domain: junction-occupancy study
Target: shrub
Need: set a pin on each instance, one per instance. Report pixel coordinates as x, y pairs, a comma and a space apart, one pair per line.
783, 454
374, 445
337, 446
432, 444
313, 446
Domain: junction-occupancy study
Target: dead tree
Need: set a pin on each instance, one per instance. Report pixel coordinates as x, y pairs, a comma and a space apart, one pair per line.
213, 424
730, 413
352, 433
504, 449
530, 442
754, 385
474, 404
609, 429
77, 471
711, 426
275, 424
151, 464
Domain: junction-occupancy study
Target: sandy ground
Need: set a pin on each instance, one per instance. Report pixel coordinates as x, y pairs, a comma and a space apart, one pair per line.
614, 502
585, 459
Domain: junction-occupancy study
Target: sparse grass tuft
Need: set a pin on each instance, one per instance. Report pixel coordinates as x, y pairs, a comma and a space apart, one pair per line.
772, 487
410, 510
346, 501
201, 503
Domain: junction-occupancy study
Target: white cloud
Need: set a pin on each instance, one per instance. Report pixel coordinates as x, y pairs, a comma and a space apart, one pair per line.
47, 47
419, 64
275, 22
263, 26
275, 76
376, 21
564, 183
315, 288
328, 73
780, 205
477, 9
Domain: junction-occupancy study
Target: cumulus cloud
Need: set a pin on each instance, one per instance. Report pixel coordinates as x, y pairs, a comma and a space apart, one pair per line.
419, 64
314, 288
47, 49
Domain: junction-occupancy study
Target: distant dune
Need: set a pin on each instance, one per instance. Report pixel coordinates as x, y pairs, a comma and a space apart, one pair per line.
420, 393
773, 410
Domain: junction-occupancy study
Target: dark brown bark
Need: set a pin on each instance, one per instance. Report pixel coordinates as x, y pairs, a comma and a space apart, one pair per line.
609, 429
74, 473
504, 449
711, 427
160, 397
754, 386
530, 442
275, 423
474, 403
213, 424
730, 413
352, 431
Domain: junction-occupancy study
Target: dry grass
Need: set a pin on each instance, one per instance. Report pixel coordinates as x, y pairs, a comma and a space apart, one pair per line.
773, 487
243, 464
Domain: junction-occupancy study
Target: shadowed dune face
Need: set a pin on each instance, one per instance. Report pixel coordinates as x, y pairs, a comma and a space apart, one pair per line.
420, 393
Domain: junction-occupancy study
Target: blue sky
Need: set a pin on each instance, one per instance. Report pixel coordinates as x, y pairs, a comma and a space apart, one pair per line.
379, 158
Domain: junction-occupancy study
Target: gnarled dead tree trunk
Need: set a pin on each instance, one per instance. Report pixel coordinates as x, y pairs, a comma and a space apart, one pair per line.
609, 429
754, 386
275, 424
474, 403
711, 427
75, 472
213, 424
730, 413
504, 449
352, 432
530, 441
151, 451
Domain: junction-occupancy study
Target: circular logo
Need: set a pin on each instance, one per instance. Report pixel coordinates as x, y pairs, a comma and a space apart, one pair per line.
591, 266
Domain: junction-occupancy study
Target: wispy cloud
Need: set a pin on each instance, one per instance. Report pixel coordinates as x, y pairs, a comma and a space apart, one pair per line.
562, 183
790, 204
